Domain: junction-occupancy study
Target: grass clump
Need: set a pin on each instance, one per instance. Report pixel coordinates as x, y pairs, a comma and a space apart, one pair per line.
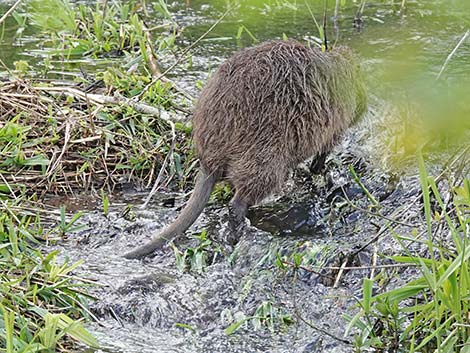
109, 128
42, 305
116, 40
430, 312
195, 259
108, 29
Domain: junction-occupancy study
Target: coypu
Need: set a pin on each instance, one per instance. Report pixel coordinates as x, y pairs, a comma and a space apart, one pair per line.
265, 110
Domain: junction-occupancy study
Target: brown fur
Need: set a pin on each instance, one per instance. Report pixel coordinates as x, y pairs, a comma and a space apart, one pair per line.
265, 110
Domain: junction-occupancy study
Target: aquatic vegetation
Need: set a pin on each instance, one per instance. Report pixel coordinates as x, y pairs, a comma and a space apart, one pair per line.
81, 122
109, 28
36, 126
266, 315
194, 259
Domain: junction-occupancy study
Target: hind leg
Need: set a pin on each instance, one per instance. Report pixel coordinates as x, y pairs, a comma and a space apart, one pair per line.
238, 208
252, 188
237, 213
318, 164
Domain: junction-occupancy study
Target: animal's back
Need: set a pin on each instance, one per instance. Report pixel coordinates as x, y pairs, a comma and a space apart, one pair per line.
266, 109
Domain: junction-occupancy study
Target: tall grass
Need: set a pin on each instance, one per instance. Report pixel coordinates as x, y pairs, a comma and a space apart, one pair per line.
82, 30
42, 304
430, 312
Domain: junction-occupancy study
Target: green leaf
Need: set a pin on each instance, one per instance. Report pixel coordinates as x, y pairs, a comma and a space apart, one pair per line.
367, 294
461, 258
404, 292
235, 326
36, 160
73, 328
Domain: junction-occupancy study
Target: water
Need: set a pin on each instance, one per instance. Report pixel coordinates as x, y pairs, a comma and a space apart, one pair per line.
144, 305
151, 306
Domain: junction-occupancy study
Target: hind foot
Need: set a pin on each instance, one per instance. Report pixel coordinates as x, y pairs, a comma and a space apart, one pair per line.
317, 166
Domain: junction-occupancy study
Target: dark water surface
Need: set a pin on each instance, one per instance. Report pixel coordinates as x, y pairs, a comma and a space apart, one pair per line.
151, 306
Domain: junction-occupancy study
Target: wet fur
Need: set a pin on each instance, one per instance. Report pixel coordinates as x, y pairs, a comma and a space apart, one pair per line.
265, 110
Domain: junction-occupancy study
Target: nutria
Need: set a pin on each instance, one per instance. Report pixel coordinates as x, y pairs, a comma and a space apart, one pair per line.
265, 110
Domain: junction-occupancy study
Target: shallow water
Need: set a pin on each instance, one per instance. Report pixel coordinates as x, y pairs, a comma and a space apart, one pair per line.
143, 304
151, 306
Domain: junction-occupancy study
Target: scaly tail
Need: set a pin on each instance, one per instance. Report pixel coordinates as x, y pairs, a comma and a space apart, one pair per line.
201, 193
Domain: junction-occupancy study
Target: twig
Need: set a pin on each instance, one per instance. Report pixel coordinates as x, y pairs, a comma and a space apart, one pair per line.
87, 139
117, 318
374, 263
53, 166
162, 169
5, 207
25, 96
452, 54
311, 270
6, 67
8, 186
103, 99
325, 40
340, 273
349, 268
15, 5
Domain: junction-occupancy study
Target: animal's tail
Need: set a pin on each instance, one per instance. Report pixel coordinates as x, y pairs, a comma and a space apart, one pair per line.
204, 184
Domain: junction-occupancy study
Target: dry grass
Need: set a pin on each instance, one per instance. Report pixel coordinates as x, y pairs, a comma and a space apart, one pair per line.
60, 139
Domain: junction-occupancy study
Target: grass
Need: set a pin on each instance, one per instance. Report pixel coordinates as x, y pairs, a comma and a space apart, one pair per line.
42, 303
102, 141
195, 259
57, 144
106, 29
430, 312
89, 134
267, 315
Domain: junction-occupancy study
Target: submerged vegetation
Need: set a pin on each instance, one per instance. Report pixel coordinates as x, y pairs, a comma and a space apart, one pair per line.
94, 112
